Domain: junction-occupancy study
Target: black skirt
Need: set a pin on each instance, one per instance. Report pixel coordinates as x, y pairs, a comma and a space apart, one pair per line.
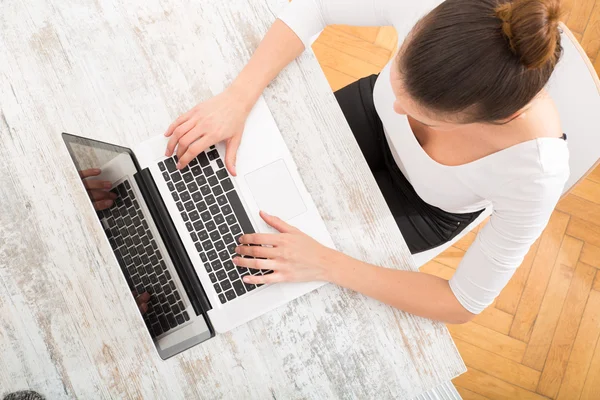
423, 226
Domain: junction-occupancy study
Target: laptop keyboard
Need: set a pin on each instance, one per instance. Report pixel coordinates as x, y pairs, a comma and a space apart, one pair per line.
214, 217
142, 262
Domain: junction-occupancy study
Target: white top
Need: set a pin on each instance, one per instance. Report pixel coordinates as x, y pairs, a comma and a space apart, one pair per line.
522, 183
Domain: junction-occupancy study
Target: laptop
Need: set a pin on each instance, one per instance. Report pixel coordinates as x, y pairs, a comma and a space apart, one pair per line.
174, 232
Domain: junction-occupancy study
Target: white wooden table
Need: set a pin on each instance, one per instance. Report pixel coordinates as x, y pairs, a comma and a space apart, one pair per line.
120, 71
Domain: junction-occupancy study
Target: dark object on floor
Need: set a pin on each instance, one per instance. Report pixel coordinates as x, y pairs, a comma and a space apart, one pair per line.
24, 395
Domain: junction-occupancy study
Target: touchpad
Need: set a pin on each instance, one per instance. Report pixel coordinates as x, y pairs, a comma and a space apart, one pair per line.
275, 192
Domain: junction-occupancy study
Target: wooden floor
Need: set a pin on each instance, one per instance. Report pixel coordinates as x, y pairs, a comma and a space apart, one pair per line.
540, 338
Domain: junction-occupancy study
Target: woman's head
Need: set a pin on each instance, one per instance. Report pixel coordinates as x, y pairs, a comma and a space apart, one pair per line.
477, 60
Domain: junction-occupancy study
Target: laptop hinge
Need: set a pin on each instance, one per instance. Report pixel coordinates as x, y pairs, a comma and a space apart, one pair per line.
166, 228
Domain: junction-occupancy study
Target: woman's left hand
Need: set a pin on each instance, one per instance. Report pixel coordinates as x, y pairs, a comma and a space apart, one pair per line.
292, 255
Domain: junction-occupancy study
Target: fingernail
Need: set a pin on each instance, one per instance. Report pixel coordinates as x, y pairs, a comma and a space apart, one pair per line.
246, 279
235, 260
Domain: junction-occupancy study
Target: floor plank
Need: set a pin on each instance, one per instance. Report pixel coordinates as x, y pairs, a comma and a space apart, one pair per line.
351, 45
495, 319
591, 387
437, 269
466, 394
579, 207
537, 348
594, 175
337, 79
562, 342
591, 255
591, 37
498, 366
588, 189
509, 298
366, 33
451, 257
490, 340
541, 269
596, 284
340, 61
580, 15
584, 230
583, 350
489, 386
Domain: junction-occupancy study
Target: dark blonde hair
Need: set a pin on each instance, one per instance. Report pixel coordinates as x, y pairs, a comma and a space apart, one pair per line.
483, 59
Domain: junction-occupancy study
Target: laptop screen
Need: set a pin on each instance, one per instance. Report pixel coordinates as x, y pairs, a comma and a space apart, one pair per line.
91, 154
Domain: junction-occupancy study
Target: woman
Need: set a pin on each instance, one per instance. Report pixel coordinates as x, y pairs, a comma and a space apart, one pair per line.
457, 122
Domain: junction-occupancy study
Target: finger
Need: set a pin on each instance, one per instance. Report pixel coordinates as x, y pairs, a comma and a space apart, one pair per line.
254, 263
231, 153
194, 133
143, 298
270, 278
277, 223
143, 308
102, 205
176, 135
95, 184
101, 195
193, 150
89, 172
272, 239
180, 120
258, 251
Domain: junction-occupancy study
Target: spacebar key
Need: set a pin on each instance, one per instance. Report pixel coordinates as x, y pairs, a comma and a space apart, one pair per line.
240, 212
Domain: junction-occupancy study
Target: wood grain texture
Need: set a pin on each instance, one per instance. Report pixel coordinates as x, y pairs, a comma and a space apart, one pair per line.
596, 284
120, 72
531, 299
590, 40
498, 366
584, 230
508, 300
490, 340
579, 207
591, 387
588, 190
580, 15
565, 333
495, 319
491, 387
583, 350
539, 343
591, 255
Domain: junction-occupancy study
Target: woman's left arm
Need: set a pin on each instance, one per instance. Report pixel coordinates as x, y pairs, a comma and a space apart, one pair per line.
296, 257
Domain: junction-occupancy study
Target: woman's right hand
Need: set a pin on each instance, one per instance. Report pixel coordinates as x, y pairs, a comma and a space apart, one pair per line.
97, 190
219, 118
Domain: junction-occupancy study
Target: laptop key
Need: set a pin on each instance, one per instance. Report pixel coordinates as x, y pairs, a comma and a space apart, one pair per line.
233, 275
194, 215
208, 171
202, 235
207, 267
164, 324
221, 274
166, 176
227, 185
199, 248
194, 236
210, 199
223, 229
186, 316
180, 186
203, 160
210, 226
228, 238
224, 256
196, 170
185, 216
198, 226
189, 226
219, 163
161, 165
205, 216
170, 164
211, 255
222, 201
222, 298
170, 186
217, 190
203, 257
205, 190
219, 245
180, 206
179, 319
226, 285
200, 180
228, 265
189, 206
218, 219
239, 288
214, 236
196, 197
222, 173
176, 177
207, 245
188, 177
235, 229
212, 181
230, 294
172, 321
240, 212
185, 196
214, 209
212, 277
201, 206
213, 155
218, 288
216, 265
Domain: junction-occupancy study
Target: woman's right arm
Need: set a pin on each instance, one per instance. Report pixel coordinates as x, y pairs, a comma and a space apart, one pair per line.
223, 116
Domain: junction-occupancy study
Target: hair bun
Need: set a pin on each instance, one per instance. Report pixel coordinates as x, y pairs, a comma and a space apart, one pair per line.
531, 28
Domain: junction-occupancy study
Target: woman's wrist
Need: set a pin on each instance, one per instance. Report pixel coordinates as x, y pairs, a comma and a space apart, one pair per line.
246, 93
334, 263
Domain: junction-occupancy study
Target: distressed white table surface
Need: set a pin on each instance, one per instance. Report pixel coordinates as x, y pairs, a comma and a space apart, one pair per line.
120, 71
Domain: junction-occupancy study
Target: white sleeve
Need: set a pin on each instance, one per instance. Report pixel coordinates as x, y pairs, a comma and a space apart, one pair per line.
308, 17
522, 209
